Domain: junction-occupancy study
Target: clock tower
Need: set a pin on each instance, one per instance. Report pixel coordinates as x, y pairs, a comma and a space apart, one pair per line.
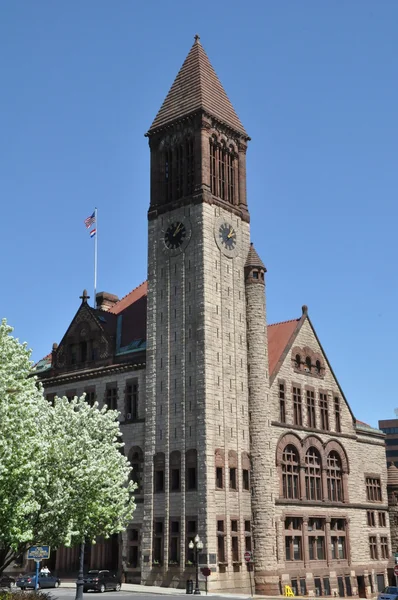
197, 452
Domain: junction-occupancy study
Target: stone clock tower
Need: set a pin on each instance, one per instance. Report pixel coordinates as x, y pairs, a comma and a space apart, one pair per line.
197, 454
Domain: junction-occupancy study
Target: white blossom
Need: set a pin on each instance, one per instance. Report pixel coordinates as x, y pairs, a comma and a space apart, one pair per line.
63, 477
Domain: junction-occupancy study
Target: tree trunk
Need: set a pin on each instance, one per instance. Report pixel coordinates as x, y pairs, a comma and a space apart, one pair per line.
80, 582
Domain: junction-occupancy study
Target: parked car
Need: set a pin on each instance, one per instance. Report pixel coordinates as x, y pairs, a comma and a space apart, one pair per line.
100, 580
46, 580
389, 593
6, 581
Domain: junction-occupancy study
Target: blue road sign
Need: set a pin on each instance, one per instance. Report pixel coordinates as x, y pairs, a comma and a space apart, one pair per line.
39, 553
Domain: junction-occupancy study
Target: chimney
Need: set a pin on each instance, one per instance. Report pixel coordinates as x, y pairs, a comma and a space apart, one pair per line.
105, 301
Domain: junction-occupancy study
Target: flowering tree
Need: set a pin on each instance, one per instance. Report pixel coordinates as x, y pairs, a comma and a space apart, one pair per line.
63, 477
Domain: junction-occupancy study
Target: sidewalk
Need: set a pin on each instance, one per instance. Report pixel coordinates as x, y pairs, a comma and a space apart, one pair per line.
166, 591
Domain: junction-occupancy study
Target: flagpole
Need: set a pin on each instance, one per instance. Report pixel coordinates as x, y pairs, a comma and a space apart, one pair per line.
95, 257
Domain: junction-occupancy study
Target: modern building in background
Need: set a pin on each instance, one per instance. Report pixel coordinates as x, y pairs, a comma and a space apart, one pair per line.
390, 428
238, 431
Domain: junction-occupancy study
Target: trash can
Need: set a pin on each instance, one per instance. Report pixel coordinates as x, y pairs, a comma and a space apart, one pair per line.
189, 586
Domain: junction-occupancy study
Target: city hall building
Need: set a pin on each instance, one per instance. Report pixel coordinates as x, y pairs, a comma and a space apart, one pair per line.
237, 430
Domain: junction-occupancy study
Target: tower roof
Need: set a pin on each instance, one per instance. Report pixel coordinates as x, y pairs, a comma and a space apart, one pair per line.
253, 259
197, 87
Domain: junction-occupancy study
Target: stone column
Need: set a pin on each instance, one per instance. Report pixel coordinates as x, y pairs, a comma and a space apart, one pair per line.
327, 541
263, 483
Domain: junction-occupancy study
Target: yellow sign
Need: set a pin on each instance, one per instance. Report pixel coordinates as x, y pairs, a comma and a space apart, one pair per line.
288, 591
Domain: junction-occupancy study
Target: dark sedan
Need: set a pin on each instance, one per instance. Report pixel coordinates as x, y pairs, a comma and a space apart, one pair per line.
46, 580
101, 580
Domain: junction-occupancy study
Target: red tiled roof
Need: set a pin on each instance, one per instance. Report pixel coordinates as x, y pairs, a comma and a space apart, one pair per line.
279, 335
130, 298
197, 87
134, 309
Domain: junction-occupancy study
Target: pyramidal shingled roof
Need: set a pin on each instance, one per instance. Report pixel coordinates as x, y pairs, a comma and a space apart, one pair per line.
197, 87
253, 259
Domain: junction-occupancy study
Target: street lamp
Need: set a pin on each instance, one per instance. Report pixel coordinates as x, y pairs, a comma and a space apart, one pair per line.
196, 544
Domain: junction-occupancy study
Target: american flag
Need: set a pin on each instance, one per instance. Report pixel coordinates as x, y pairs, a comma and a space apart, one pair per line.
90, 220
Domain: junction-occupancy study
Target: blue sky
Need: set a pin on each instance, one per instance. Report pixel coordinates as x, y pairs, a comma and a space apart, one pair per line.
315, 85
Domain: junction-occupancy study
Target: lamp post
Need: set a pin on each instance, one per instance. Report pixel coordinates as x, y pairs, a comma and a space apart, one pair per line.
196, 544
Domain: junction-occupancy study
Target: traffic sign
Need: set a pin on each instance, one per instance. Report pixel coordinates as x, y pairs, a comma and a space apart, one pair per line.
206, 571
396, 570
248, 556
39, 553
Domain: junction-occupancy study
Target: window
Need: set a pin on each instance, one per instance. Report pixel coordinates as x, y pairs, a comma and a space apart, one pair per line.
234, 541
297, 407
290, 472
174, 554
133, 548
384, 547
111, 396
191, 531
373, 547
323, 405
293, 538
373, 489
131, 400
220, 542
219, 478
175, 470
313, 482
318, 367
307, 367
222, 170
334, 477
337, 539
382, 519
293, 548
190, 166
90, 396
136, 457
311, 418
232, 478
191, 462
371, 518
337, 416
245, 479
159, 465
282, 406
316, 539
248, 536
158, 542
179, 170
297, 361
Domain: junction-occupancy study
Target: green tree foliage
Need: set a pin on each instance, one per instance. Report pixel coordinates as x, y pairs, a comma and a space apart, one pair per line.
63, 477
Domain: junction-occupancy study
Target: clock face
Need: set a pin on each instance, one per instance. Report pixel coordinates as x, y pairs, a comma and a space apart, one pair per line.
227, 236
175, 235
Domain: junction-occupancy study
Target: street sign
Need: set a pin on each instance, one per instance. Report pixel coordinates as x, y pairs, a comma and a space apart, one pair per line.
396, 570
248, 556
206, 571
39, 553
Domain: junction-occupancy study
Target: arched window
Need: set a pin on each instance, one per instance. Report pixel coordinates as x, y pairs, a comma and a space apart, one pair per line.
213, 165
136, 457
175, 471
179, 172
298, 361
318, 367
168, 169
313, 475
334, 477
222, 168
308, 364
290, 472
190, 167
231, 176
159, 467
191, 463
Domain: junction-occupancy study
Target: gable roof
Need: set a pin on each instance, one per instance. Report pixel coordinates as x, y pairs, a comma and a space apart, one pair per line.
279, 335
197, 87
129, 299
